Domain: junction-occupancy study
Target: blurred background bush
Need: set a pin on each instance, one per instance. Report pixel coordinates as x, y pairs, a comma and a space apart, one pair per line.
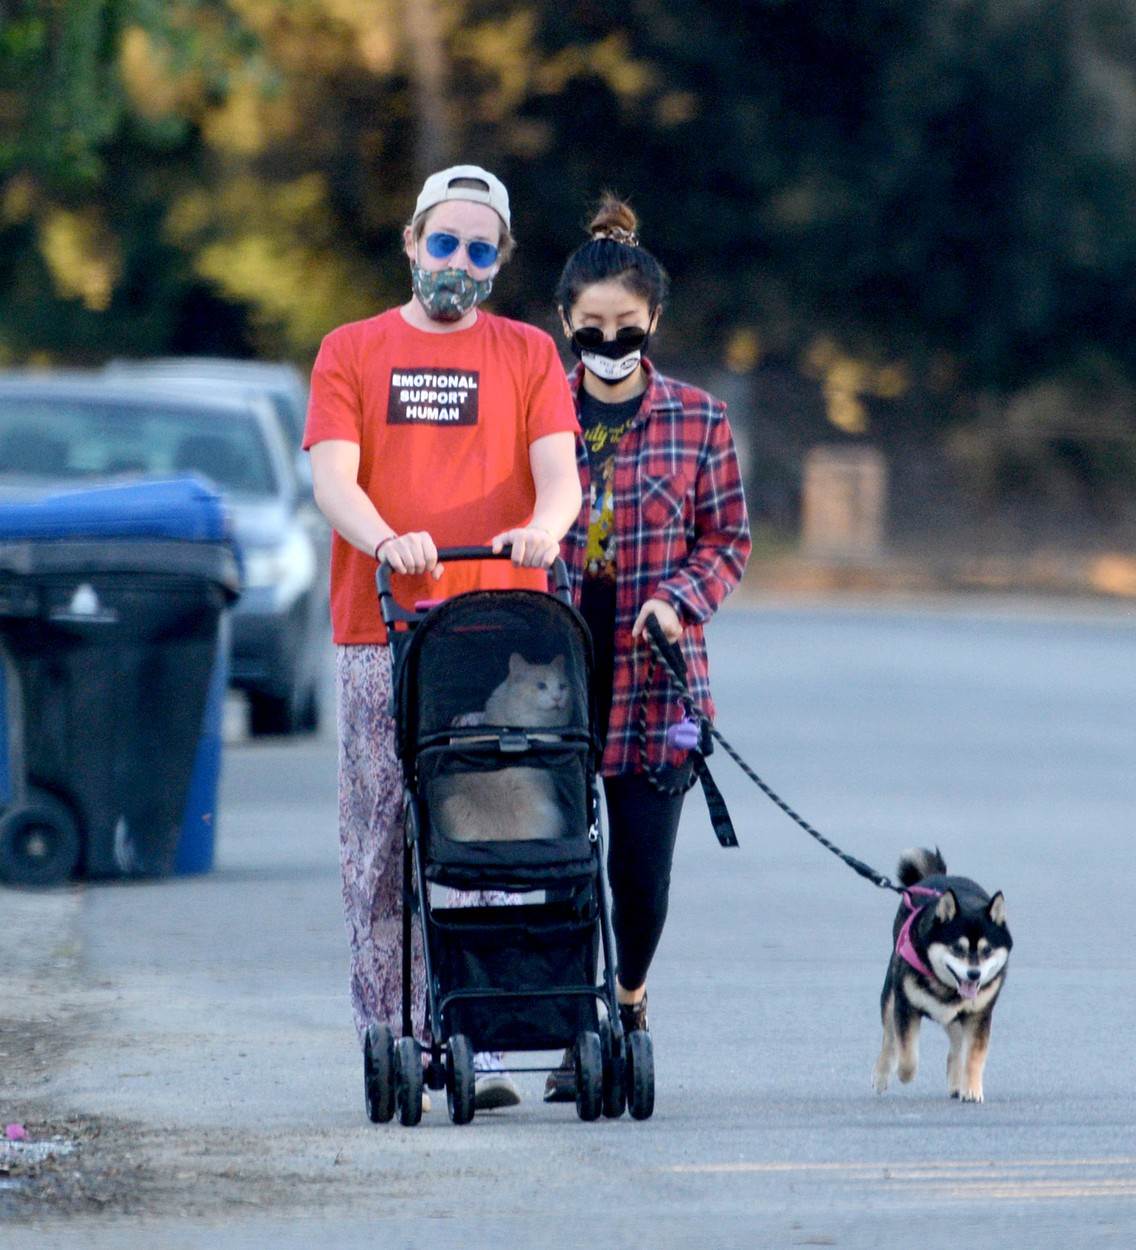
903, 223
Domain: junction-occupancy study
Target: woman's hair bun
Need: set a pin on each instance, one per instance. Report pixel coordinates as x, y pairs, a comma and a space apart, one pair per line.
626, 261
615, 219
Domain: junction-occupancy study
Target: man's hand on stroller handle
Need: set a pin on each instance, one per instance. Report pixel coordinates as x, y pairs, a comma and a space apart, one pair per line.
533, 546
413, 552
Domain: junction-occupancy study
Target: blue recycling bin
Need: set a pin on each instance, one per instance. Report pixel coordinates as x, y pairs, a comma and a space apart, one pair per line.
113, 670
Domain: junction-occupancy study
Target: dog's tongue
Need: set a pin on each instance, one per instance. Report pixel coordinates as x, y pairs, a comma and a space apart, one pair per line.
968, 989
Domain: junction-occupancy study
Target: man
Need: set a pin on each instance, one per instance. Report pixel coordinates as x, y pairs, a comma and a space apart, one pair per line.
430, 425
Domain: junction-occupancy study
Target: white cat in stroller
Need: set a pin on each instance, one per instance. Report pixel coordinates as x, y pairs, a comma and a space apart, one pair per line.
511, 804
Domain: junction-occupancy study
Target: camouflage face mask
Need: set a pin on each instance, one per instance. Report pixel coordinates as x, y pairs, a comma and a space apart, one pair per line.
448, 294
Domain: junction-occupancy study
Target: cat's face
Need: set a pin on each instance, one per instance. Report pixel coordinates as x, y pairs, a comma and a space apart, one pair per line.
539, 687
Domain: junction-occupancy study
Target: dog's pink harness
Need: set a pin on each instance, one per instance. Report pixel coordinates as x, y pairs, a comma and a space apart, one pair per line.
904, 947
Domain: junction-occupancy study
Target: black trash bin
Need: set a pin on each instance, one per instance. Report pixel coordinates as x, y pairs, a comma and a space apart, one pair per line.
113, 636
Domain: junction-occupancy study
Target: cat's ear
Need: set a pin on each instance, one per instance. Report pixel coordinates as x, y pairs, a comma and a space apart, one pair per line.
560, 664
517, 664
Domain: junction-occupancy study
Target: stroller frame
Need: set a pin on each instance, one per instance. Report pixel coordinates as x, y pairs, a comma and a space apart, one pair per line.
613, 1070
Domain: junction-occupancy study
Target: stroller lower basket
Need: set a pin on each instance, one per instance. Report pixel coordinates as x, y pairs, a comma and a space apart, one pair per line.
540, 957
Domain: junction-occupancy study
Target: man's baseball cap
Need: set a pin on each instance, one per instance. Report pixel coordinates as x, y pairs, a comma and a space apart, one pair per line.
440, 187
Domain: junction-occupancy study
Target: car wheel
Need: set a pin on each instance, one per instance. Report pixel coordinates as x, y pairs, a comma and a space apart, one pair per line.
310, 711
296, 712
269, 714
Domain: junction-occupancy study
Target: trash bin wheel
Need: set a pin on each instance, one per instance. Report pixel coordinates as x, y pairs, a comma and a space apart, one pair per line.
39, 842
640, 1074
460, 1079
614, 1090
408, 1081
589, 1076
378, 1073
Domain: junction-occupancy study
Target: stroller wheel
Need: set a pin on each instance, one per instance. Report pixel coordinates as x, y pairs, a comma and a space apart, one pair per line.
378, 1073
589, 1076
640, 1074
460, 1079
408, 1081
614, 1089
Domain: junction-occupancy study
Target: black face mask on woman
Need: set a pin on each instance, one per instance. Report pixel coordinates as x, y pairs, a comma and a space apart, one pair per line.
610, 360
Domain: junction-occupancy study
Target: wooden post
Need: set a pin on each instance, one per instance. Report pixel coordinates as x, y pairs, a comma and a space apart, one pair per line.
844, 503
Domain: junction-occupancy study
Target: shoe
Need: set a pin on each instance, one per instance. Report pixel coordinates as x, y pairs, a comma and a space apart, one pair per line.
494, 1088
561, 1083
633, 1016
425, 1102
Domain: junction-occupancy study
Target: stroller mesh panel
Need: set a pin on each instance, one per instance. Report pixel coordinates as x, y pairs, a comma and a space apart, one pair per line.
463, 654
523, 951
492, 796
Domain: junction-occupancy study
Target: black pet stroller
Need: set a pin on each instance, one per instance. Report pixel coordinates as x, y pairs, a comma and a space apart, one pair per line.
520, 976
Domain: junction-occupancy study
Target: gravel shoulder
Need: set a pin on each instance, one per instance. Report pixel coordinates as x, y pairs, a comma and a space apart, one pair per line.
67, 1163
68, 1043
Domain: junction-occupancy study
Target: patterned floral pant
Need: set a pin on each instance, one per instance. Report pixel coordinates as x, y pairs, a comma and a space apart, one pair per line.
370, 839
370, 843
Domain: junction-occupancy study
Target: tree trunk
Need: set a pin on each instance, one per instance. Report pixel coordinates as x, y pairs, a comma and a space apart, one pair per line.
429, 73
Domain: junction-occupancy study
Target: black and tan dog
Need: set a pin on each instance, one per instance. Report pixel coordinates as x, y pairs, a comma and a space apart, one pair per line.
949, 963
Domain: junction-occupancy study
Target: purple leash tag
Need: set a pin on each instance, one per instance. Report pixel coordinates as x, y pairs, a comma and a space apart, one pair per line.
684, 736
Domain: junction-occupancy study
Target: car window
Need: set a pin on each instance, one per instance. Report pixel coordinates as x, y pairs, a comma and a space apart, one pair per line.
291, 418
283, 385
66, 438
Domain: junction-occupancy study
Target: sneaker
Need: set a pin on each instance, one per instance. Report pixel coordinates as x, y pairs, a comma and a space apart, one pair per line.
494, 1088
561, 1083
633, 1016
425, 1102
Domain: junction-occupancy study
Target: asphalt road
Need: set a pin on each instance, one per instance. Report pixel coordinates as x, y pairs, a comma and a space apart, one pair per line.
214, 1019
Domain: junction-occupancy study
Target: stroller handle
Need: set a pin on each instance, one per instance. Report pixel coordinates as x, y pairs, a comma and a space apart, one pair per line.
393, 612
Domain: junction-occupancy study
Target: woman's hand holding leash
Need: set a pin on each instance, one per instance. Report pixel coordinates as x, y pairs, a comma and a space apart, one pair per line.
533, 546
664, 614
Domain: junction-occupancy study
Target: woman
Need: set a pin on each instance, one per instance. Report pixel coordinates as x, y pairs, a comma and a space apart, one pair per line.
432, 424
664, 533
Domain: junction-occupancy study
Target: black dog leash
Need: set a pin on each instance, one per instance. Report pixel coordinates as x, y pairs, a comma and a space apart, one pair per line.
671, 658
675, 665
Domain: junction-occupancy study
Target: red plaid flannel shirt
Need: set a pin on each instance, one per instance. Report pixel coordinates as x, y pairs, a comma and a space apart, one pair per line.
682, 535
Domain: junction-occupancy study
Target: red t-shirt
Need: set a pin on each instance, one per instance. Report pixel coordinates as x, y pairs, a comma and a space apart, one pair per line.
443, 422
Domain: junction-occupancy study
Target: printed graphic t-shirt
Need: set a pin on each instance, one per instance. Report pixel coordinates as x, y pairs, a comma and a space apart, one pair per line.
603, 425
444, 423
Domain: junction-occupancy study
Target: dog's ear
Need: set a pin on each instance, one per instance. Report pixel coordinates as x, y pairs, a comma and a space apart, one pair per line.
997, 910
947, 907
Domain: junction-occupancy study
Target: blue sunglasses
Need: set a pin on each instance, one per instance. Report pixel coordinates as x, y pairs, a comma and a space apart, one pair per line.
441, 245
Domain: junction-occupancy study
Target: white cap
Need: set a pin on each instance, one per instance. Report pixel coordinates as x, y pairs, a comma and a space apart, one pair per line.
439, 187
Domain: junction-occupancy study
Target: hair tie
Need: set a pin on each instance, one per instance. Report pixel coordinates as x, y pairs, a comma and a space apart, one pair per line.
617, 234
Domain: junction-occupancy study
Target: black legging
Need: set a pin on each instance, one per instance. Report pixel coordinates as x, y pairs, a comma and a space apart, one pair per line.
642, 827
642, 821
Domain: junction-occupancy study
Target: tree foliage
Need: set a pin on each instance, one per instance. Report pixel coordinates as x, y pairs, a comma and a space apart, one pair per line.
893, 194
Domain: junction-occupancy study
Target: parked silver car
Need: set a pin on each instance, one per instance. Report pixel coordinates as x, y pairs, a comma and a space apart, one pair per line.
59, 431
282, 382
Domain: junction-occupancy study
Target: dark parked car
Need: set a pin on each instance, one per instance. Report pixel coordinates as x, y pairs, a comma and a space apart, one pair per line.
58, 431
